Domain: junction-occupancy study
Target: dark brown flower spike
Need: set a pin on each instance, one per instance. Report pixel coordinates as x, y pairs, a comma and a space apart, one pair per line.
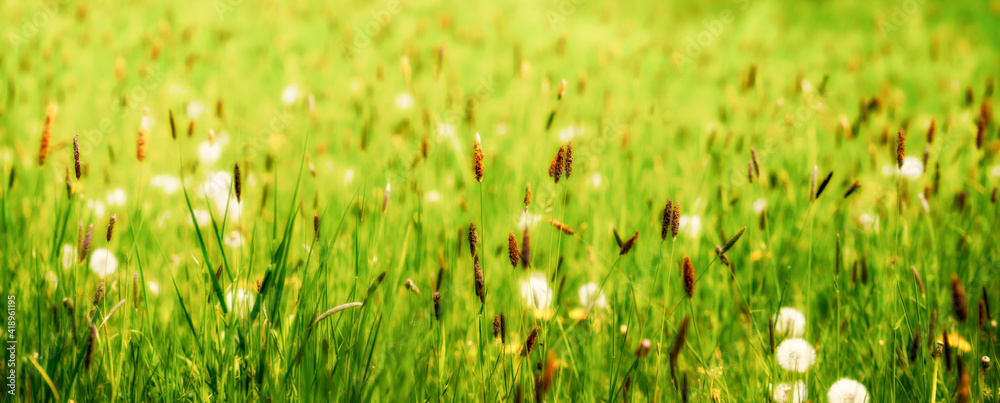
629, 244
237, 182
76, 156
512, 251
529, 343
50, 121
478, 156
900, 148
568, 168
854, 188
111, 226
561, 227
556, 167
668, 215
687, 271
473, 240
958, 298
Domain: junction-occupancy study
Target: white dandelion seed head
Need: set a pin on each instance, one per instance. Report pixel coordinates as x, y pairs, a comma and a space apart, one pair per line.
203, 217
195, 109
290, 94
68, 256
847, 390
404, 101
570, 133
51, 281
690, 225
432, 196
103, 262
788, 393
528, 220
995, 172
596, 179
97, 206
208, 153
591, 296
759, 205
243, 303
795, 355
912, 168
445, 130
117, 197
154, 287
348, 176
147, 120
233, 239
168, 184
790, 321
536, 292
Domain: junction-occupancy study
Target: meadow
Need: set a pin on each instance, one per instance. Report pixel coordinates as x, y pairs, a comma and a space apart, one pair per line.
559, 200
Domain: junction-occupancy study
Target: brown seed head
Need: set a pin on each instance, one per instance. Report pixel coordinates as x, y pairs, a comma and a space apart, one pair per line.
480, 281
675, 222
755, 160
629, 244
569, 160
854, 187
99, 294
556, 167
527, 195
958, 298
436, 297
561, 227
76, 156
900, 148
50, 121
478, 156
173, 124
512, 249
237, 182
85, 246
111, 226
496, 327
688, 274
529, 343
473, 240
140, 140
668, 215
525, 248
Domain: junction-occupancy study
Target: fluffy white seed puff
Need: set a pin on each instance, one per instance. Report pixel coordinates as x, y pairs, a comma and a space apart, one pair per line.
536, 292
790, 322
787, 393
847, 391
795, 355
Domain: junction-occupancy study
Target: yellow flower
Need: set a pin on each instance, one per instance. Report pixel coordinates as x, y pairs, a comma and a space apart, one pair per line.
956, 341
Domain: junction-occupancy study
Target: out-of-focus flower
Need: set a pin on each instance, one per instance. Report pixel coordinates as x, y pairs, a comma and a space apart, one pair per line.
103, 262
536, 292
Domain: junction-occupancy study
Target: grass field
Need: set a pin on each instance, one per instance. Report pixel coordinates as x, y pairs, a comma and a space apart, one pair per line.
327, 202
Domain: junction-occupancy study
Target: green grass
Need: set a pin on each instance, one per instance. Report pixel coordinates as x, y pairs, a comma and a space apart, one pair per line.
651, 118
